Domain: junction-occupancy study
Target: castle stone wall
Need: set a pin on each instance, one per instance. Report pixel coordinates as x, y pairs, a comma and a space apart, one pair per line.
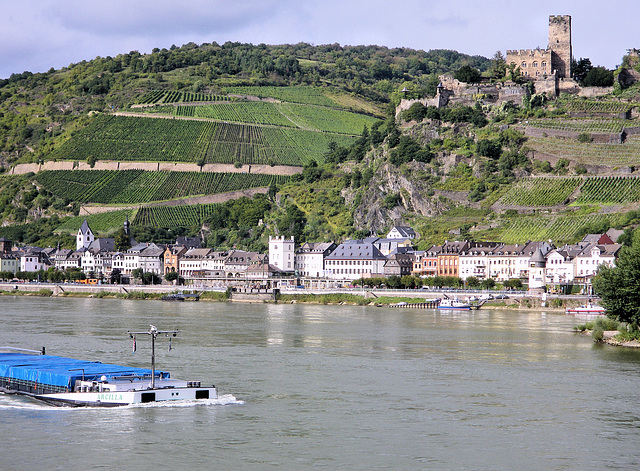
533, 63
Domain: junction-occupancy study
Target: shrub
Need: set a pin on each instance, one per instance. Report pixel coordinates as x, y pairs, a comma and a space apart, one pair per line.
585, 137
598, 335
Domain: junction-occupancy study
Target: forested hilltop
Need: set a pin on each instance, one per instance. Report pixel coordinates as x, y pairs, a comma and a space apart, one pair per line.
37, 108
236, 142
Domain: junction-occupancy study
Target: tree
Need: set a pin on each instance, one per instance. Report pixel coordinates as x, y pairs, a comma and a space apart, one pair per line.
498, 67
137, 273
489, 283
619, 287
514, 73
468, 74
116, 276
171, 276
122, 242
598, 77
473, 282
581, 68
489, 148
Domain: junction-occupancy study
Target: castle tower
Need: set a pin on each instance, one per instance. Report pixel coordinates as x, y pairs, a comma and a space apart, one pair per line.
281, 253
537, 268
560, 45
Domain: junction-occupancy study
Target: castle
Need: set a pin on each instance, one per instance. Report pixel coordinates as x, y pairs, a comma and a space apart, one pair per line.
553, 61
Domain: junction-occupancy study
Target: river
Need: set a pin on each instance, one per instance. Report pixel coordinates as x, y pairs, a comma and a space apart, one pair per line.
330, 387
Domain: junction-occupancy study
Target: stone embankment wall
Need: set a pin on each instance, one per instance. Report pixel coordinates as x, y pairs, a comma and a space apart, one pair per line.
156, 166
614, 138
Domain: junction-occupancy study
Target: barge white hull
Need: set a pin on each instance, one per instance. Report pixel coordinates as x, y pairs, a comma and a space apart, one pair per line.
125, 398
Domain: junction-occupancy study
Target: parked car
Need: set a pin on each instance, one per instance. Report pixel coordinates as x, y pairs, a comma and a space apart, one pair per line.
502, 296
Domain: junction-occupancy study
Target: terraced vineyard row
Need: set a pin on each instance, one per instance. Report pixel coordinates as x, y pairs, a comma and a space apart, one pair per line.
172, 216
172, 96
559, 228
139, 186
540, 192
543, 192
593, 106
313, 118
609, 190
612, 155
102, 223
253, 112
127, 138
326, 119
305, 95
601, 126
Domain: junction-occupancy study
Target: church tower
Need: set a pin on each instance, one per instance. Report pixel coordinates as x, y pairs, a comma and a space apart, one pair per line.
84, 236
560, 45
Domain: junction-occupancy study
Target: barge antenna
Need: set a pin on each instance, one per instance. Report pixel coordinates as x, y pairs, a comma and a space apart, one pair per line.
153, 332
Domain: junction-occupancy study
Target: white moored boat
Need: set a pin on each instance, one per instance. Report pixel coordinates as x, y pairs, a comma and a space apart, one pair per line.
589, 309
454, 304
66, 381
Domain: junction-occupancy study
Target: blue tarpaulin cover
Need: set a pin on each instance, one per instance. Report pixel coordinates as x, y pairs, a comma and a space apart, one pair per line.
55, 371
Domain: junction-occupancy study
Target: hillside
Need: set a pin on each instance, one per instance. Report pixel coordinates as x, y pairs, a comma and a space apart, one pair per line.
310, 131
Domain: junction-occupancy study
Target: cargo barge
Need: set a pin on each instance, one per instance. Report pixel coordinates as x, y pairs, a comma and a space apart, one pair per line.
69, 382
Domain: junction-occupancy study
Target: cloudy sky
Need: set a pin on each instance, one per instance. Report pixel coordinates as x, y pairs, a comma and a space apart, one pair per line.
36, 35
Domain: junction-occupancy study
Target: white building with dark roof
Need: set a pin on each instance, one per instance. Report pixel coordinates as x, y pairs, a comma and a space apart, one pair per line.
310, 258
354, 259
401, 232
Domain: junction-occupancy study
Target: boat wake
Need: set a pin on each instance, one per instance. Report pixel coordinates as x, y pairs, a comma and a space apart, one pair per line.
12, 402
222, 400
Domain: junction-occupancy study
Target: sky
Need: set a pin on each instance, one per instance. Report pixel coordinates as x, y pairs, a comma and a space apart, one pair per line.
36, 35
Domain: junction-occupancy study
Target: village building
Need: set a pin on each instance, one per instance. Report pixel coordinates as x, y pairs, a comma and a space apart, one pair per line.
6, 245
474, 260
399, 264
505, 262
426, 264
310, 258
34, 259
262, 271
354, 259
560, 268
9, 262
593, 257
401, 232
282, 253
191, 263
390, 245
172, 255
449, 257
238, 261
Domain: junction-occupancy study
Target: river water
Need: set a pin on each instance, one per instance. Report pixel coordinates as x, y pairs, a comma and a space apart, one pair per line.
330, 387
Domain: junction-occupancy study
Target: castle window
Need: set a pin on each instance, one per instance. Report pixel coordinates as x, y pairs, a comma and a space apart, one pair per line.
544, 65
535, 64
524, 64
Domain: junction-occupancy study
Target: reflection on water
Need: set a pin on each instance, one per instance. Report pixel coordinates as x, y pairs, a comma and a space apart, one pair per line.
338, 387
